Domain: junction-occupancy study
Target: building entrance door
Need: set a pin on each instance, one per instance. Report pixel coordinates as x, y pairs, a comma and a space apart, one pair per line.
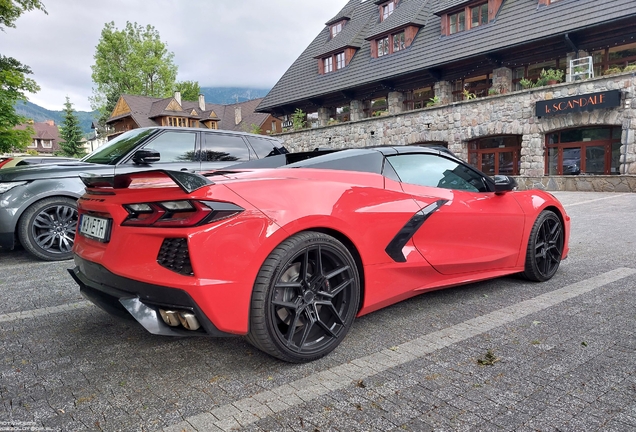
496, 155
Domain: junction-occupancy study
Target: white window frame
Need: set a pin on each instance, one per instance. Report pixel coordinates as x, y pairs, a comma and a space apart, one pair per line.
327, 64
340, 61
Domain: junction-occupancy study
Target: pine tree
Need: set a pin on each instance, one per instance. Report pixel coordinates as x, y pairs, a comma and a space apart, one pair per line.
71, 133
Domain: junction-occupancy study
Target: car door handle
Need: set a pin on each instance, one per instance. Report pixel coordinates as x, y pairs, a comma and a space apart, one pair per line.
188, 170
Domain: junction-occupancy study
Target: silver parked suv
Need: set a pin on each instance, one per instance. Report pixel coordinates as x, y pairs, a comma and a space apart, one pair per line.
38, 204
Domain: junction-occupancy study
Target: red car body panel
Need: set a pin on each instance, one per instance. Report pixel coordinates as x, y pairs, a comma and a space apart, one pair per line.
473, 236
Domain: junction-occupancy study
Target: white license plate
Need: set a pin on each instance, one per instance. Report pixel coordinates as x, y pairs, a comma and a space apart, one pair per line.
95, 227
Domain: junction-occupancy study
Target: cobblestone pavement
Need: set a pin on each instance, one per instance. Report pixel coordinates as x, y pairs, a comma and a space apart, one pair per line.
502, 355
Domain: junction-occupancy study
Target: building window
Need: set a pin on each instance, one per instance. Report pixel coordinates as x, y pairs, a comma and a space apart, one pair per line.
47, 144
419, 98
383, 46
336, 28
33, 144
533, 71
457, 22
327, 65
386, 10
496, 155
273, 126
477, 15
584, 150
398, 42
378, 107
177, 121
340, 60
614, 57
391, 43
332, 63
470, 88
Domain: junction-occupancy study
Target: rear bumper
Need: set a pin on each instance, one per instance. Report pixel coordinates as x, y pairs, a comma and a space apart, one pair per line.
128, 298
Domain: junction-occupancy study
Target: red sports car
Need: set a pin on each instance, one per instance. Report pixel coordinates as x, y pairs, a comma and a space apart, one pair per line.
289, 256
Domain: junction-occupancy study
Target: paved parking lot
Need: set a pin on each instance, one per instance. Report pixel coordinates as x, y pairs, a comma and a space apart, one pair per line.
503, 355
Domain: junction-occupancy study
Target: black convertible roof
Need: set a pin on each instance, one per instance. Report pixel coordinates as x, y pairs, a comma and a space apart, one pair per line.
370, 159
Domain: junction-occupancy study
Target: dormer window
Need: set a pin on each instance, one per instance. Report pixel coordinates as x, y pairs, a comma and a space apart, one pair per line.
398, 42
386, 9
337, 28
340, 60
457, 22
390, 44
479, 15
468, 17
335, 62
383, 46
327, 64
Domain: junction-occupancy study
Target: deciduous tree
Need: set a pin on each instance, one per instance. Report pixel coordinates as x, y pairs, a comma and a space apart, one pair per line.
10, 10
13, 84
14, 81
189, 90
130, 61
71, 132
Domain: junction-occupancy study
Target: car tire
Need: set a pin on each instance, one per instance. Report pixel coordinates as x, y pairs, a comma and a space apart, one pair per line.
299, 314
47, 228
545, 247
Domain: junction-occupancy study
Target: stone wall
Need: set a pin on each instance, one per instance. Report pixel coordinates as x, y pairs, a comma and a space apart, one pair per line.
505, 114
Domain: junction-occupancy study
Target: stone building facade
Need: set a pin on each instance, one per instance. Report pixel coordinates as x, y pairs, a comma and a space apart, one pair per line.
511, 114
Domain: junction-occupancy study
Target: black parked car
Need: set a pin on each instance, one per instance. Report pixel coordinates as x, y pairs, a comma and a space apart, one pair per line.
38, 204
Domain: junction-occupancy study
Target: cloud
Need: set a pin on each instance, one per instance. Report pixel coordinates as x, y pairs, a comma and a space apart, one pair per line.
217, 43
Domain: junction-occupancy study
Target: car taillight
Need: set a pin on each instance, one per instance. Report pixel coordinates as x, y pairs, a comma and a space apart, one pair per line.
184, 213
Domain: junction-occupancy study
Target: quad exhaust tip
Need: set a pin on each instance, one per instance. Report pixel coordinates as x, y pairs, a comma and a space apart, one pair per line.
182, 318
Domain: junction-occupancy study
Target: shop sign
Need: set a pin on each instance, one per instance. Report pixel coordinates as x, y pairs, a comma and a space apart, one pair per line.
586, 102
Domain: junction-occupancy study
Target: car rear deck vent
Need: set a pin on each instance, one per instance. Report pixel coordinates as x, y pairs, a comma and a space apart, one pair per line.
174, 255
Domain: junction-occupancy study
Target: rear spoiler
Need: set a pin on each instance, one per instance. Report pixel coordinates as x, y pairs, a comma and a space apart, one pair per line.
188, 182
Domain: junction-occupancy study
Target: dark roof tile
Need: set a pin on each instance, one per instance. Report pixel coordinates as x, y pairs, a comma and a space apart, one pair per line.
518, 22
408, 12
352, 34
345, 13
444, 5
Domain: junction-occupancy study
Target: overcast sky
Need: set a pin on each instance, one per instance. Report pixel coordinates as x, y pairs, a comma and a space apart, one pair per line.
219, 43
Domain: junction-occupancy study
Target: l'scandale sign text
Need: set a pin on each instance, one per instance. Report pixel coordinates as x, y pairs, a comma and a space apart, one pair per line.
586, 102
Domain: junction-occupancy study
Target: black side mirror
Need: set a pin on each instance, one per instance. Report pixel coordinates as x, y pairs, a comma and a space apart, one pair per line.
504, 184
146, 156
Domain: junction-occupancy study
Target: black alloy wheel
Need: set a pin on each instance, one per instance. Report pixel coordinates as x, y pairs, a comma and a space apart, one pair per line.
305, 298
47, 228
545, 247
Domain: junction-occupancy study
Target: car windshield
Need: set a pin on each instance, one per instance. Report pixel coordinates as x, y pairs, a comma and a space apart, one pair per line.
112, 152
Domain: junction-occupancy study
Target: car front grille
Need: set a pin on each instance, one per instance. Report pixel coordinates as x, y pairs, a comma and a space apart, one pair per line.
174, 255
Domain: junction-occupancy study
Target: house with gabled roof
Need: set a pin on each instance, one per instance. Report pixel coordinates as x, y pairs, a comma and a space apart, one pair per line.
133, 112
45, 138
475, 76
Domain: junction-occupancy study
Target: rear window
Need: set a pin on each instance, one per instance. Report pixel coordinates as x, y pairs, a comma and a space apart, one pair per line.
264, 147
220, 147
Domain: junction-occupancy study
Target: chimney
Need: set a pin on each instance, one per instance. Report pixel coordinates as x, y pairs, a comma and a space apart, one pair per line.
177, 96
50, 122
237, 115
202, 102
